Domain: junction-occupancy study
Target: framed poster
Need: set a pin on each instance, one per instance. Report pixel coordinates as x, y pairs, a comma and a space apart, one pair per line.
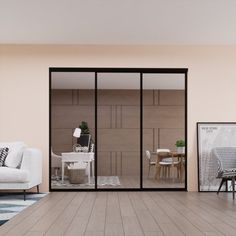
211, 135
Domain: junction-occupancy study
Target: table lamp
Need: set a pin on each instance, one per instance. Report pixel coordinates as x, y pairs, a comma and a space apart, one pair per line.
76, 134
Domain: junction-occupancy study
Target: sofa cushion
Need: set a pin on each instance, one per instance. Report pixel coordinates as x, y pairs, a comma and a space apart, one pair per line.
3, 155
15, 153
13, 175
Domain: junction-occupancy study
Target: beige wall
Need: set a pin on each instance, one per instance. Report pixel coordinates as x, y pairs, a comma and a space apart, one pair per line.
24, 97
119, 124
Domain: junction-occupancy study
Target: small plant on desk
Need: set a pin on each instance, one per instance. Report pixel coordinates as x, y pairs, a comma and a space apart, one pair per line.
84, 128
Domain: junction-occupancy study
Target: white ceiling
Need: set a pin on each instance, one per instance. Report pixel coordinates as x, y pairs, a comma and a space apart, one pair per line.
118, 21
84, 80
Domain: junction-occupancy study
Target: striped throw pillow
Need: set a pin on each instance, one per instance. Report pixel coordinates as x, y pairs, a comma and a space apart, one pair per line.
3, 155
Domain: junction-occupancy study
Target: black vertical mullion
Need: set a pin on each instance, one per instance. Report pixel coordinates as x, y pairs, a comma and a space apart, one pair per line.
96, 142
186, 128
50, 127
141, 130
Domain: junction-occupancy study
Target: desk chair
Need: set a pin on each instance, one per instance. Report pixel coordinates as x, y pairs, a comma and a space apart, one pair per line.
56, 163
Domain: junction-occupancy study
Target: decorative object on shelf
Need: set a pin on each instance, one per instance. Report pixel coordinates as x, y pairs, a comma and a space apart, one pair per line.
180, 144
78, 148
212, 135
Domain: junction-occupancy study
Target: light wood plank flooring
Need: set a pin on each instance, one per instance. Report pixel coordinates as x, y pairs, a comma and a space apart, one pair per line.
126, 213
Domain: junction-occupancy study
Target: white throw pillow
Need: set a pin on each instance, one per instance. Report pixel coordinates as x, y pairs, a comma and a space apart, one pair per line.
15, 153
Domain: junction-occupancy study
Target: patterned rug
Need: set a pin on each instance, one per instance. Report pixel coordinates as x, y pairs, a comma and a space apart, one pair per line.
12, 204
102, 181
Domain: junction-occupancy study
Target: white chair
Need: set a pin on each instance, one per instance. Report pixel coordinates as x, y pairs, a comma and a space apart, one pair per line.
150, 162
165, 161
163, 164
225, 156
55, 163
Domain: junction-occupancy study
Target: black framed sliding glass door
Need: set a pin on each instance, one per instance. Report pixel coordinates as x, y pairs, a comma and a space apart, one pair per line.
163, 125
72, 160
117, 129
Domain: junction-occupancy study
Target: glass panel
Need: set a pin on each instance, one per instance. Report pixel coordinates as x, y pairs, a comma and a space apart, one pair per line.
118, 130
72, 106
163, 125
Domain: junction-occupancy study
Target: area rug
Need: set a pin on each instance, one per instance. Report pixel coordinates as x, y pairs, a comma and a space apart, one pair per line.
12, 204
109, 181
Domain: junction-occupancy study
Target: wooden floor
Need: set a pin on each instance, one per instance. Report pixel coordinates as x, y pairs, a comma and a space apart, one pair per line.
126, 213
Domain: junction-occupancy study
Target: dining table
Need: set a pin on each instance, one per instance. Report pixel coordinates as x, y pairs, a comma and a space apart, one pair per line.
181, 158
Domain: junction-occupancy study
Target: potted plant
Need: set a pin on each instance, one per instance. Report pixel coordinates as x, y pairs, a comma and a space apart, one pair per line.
180, 144
84, 139
84, 128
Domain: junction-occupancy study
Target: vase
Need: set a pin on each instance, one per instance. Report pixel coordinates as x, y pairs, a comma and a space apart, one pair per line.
181, 150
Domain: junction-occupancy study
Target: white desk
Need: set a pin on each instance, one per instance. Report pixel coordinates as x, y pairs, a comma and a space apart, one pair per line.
78, 157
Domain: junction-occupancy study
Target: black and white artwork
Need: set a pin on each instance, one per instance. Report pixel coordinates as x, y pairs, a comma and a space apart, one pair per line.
209, 136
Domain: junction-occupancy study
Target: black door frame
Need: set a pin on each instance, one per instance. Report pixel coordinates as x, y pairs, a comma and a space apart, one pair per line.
141, 71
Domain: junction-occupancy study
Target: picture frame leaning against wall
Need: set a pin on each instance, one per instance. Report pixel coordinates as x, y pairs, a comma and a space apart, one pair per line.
211, 135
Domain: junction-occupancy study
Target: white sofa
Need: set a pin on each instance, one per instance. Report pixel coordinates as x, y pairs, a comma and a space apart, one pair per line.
22, 169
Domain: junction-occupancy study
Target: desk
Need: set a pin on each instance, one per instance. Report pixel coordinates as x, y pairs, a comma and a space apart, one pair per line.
87, 157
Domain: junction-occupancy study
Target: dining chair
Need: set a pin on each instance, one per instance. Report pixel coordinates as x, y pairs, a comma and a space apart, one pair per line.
150, 162
165, 163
